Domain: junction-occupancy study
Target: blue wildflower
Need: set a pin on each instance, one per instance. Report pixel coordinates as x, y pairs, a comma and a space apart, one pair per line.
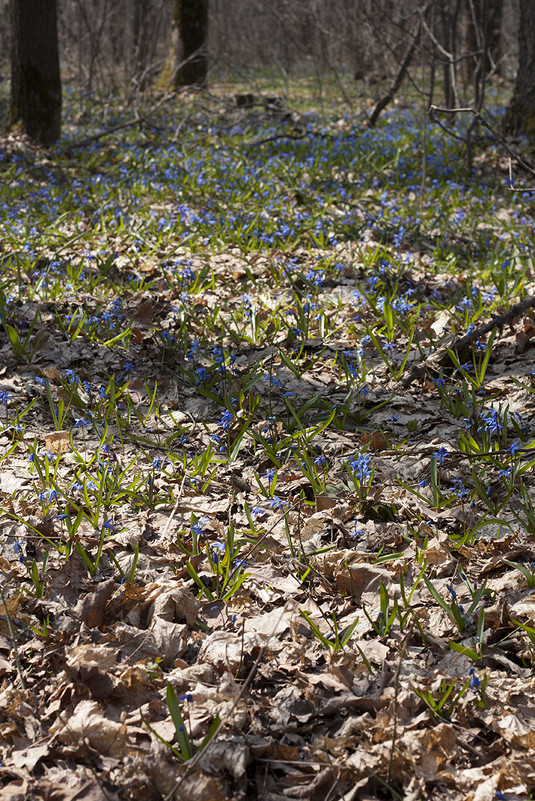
440, 454
360, 467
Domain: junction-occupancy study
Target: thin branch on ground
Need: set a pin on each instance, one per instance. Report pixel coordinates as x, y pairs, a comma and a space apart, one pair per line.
402, 653
194, 761
13, 640
120, 126
436, 360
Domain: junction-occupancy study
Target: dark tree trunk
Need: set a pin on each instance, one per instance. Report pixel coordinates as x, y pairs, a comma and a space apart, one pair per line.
35, 100
190, 27
494, 50
140, 42
520, 114
483, 35
448, 43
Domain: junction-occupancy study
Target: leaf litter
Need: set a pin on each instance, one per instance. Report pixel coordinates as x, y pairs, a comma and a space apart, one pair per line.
245, 551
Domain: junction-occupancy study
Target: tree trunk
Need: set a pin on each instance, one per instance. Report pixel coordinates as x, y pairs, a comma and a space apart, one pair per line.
190, 32
448, 41
483, 36
35, 100
140, 42
520, 114
494, 50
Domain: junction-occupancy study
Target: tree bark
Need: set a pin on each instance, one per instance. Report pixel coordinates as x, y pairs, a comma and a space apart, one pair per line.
140, 42
483, 36
520, 114
190, 32
448, 44
35, 99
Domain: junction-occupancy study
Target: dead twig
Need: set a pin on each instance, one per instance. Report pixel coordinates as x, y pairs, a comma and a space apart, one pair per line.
194, 761
482, 121
437, 360
128, 124
402, 653
404, 66
175, 508
13, 640
512, 187
276, 137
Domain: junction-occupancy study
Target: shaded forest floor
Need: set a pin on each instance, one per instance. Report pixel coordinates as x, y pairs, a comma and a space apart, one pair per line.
249, 547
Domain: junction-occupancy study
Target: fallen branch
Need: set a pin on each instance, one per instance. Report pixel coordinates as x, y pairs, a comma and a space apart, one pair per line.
439, 359
276, 137
120, 126
13, 640
294, 137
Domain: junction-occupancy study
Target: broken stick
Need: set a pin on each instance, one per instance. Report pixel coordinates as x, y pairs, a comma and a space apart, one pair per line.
437, 359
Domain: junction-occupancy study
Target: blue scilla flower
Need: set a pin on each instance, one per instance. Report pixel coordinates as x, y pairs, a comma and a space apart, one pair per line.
459, 489
226, 419
278, 504
217, 549
18, 548
474, 681
489, 422
71, 375
201, 374
440, 454
273, 380
514, 447
48, 496
269, 474
402, 304
199, 527
360, 466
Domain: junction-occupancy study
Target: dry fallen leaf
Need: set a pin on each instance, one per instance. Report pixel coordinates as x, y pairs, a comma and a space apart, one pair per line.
91, 608
88, 721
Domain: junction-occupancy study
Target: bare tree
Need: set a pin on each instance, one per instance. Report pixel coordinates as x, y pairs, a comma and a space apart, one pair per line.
520, 114
35, 100
123, 45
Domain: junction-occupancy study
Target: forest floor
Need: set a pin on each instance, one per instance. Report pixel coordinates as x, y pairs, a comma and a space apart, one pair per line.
266, 459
